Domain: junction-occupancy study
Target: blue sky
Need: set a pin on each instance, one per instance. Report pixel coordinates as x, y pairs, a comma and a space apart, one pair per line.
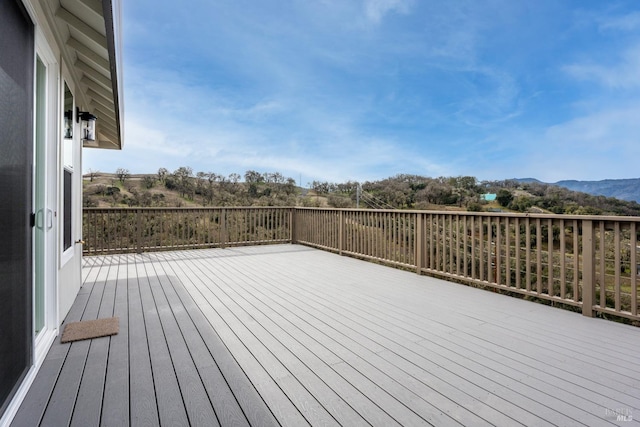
365, 89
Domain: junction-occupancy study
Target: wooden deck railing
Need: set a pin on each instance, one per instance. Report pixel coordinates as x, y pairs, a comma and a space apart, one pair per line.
118, 230
588, 262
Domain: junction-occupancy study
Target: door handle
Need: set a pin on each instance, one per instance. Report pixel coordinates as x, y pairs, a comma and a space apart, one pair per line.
40, 219
49, 219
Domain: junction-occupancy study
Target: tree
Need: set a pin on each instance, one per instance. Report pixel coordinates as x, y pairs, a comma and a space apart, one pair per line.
92, 174
504, 197
253, 177
183, 172
320, 187
183, 177
521, 203
290, 186
148, 181
253, 190
122, 174
162, 174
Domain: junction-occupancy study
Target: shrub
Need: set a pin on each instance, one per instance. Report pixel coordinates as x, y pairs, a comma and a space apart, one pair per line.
504, 197
339, 202
474, 207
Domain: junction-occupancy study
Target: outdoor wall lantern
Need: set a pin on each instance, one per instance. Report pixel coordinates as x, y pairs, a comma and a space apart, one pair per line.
88, 125
68, 124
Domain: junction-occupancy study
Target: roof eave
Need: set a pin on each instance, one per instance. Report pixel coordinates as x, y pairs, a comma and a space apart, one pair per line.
112, 12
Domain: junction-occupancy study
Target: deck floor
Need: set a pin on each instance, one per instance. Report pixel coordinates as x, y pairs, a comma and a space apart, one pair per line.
289, 335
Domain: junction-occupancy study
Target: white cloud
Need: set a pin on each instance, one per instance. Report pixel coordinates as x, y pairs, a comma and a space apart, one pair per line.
622, 75
600, 131
171, 122
629, 22
376, 10
597, 145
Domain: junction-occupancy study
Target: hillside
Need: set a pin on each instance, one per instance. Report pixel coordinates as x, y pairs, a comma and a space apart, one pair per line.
183, 188
186, 190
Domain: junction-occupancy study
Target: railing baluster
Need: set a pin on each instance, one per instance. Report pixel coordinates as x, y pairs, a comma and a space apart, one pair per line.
466, 243
617, 267
518, 269
588, 274
576, 260
432, 249
563, 261
483, 260
528, 254
538, 256
450, 269
507, 244
633, 247
138, 244
473, 248
419, 242
600, 263
498, 269
457, 253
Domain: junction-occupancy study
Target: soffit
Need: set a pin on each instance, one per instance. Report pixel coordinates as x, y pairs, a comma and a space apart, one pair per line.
90, 39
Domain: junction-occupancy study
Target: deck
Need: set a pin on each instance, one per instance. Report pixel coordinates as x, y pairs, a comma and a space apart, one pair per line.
288, 335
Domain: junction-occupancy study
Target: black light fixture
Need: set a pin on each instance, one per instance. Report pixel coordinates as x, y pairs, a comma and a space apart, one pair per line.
68, 124
88, 125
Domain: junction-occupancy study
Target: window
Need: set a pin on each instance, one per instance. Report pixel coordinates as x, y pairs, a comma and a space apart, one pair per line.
66, 217
67, 162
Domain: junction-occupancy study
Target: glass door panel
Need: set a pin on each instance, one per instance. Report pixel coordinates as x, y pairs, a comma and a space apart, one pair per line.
39, 249
16, 156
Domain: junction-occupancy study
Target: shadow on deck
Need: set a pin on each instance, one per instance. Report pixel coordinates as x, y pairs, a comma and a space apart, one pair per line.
288, 335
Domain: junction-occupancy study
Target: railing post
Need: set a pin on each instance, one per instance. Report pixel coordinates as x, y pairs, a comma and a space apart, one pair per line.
139, 231
419, 242
223, 228
292, 225
588, 268
85, 231
340, 231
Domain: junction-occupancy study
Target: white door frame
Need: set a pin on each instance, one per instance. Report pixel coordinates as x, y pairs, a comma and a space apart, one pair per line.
43, 340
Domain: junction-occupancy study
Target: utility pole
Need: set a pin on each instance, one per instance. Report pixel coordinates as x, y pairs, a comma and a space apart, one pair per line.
358, 192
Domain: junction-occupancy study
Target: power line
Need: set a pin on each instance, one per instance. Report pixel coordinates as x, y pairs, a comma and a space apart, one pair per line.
375, 202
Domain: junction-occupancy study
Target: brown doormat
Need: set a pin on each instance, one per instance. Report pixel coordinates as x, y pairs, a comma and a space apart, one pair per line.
88, 329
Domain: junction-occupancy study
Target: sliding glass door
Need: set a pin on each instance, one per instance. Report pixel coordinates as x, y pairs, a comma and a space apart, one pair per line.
16, 156
47, 125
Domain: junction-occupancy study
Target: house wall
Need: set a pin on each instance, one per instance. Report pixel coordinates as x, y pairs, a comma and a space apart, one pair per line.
70, 272
69, 279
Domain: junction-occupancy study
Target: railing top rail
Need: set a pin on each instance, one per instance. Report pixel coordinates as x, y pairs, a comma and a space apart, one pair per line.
493, 214
182, 208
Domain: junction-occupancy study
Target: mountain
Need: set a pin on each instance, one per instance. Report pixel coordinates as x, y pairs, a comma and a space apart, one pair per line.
624, 189
529, 180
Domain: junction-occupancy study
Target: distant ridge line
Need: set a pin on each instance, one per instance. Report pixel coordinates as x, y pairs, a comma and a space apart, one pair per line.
625, 189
